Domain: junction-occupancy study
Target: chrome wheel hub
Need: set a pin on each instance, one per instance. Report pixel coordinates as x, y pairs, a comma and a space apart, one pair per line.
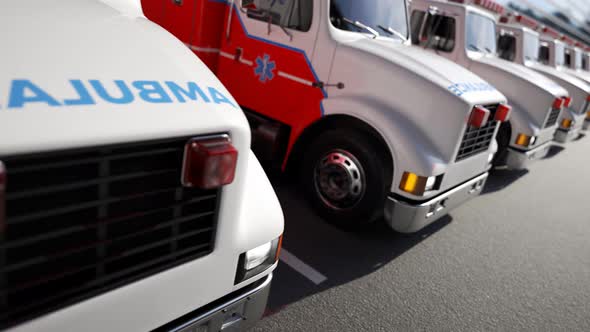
339, 180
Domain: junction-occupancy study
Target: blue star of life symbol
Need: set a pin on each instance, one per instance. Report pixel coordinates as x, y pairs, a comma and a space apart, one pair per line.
264, 68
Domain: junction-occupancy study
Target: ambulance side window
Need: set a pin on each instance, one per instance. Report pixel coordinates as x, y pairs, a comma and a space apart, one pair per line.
568, 58
544, 54
435, 31
292, 14
507, 47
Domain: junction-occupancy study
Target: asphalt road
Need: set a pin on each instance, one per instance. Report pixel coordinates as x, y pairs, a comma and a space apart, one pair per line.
516, 258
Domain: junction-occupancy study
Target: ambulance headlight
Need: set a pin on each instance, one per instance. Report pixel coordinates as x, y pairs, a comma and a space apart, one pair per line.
257, 256
257, 260
430, 183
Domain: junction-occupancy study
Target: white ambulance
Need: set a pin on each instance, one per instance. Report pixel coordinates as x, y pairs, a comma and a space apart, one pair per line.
126, 204
335, 92
573, 63
519, 42
464, 31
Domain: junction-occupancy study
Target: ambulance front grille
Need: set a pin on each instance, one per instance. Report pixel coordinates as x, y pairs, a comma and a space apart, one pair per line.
552, 118
478, 140
80, 223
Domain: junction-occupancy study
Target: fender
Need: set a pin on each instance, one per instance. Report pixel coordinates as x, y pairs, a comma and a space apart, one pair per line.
521, 122
396, 130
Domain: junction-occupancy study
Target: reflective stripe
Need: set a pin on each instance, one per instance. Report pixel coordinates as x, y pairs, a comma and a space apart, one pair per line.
247, 62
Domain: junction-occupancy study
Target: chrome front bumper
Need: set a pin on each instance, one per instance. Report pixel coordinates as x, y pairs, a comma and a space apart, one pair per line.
408, 218
517, 159
564, 136
239, 312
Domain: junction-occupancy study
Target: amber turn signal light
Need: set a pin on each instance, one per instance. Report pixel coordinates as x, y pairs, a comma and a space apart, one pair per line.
566, 123
524, 140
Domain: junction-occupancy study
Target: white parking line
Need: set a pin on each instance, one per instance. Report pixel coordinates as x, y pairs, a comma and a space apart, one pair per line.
307, 271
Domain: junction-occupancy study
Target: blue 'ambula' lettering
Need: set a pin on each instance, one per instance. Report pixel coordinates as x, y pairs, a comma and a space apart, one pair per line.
24, 92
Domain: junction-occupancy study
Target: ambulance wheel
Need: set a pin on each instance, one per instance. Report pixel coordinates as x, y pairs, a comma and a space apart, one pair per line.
345, 178
503, 140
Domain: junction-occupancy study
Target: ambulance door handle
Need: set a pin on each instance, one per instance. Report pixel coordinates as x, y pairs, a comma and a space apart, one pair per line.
322, 85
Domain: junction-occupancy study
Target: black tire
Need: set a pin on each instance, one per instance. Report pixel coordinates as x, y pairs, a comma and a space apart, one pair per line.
503, 140
353, 211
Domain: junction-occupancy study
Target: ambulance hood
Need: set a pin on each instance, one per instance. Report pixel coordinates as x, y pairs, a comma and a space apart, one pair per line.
524, 75
79, 73
585, 76
577, 88
438, 70
530, 93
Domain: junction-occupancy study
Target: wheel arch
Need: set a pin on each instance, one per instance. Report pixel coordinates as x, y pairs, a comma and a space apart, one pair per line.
338, 121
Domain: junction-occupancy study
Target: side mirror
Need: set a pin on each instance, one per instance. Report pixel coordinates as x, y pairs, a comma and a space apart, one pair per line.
432, 10
248, 4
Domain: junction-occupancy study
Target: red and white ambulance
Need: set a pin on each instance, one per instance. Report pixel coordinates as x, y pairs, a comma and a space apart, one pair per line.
124, 207
334, 91
465, 31
518, 41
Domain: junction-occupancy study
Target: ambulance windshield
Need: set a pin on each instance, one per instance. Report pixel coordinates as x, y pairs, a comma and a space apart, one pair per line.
530, 46
481, 34
377, 17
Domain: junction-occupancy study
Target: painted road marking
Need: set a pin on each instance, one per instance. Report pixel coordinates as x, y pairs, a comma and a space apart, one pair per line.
298, 265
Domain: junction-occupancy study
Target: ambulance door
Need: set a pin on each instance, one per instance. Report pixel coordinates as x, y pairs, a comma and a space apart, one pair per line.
177, 17
265, 59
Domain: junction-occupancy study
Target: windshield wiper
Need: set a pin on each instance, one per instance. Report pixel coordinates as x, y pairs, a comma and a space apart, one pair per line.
360, 25
485, 50
474, 48
390, 31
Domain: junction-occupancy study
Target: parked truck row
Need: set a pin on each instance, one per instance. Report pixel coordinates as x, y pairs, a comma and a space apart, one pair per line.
132, 190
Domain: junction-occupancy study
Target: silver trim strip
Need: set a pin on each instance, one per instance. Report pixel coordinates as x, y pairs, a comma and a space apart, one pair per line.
295, 78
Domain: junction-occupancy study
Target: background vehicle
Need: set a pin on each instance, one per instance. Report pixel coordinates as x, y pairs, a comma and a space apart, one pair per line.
466, 33
334, 91
519, 42
570, 60
123, 207
574, 58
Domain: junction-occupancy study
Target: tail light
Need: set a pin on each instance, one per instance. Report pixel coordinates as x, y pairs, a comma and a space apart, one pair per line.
2, 189
588, 98
479, 117
503, 113
209, 163
567, 101
558, 103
